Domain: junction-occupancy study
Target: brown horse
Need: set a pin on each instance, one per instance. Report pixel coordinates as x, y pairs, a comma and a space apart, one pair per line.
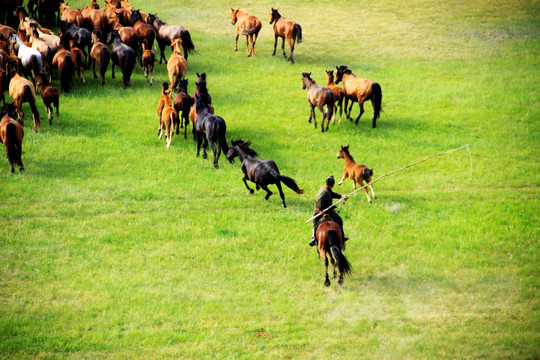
145, 33
6, 32
330, 240
81, 59
49, 95
285, 29
21, 90
361, 90
95, 20
177, 64
318, 96
168, 118
247, 25
11, 135
148, 61
357, 172
100, 54
167, 33
70, 15
66, 63
182, 104
339, 94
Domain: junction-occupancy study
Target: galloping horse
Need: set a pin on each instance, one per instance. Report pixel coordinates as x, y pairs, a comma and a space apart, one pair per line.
357, 172
339, 94
358, 89
259, 171
182, 104
148, 61
11, 135
168, 118
21, 90
101, 54
201, 90
285, 29
209, 128
122, 56
177, 65
247, 25
49, 95
330, 240
167, 33
318, 96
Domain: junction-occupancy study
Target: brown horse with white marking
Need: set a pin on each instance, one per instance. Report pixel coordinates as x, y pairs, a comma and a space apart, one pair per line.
248, 25
357, 172
11, 135
361, 90
21, 90
330, 240
285, 29
49, 95
318, 96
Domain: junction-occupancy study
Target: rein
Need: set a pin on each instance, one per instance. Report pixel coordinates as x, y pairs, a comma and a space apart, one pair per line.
393, 172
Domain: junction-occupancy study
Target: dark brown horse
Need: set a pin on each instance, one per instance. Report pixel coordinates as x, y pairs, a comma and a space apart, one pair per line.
247, 25
11, 135
145, 33
100, 54
285, 29
182, 104
318, 96
361, 90
357, 172
339, 94
122, 56
167, 33
330, 241
49, 95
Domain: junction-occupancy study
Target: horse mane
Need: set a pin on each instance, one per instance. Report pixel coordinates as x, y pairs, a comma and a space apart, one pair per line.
346, 150
345, 69
244, 146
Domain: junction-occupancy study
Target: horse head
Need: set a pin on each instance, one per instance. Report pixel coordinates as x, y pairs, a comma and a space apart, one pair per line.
306, 80
342, 151
343, 69
200, 103
113, 36
183, 85
136, 16
233, 14
274, 15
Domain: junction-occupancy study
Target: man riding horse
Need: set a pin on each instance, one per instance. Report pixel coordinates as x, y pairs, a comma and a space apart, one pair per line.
323, 201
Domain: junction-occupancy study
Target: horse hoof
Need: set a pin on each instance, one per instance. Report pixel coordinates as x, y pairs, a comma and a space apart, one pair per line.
21, 169
216, 166
205, 156
327, 282
251, 191
340, 282
284, 206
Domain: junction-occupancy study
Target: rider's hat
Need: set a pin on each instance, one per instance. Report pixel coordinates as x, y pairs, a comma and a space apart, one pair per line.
330, 181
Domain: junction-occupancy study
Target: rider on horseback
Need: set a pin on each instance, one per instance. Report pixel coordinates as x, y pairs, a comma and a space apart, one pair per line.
322, 202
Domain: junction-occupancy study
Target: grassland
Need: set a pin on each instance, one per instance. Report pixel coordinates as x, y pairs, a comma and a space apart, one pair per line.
112, 246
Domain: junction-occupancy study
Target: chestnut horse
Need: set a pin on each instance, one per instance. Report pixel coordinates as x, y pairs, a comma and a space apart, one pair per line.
168, 117
167, 33
21, 90
358, 89
145, 33
357, 172
66, 63
339, 94
285, 29
11, 135
49, 95
247, 25
95, 20
148, 61
177, 64
330, 240
182, 104
318, 96
70, 15
259, 171
101, 54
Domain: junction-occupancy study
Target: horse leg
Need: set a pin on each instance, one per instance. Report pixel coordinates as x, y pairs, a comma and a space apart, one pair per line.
340, 103
251, 191
283, 47
253, 41
343, 178
94, 67
205, 148
321, 109
367, 194
291, 47
278, 185
112, 70
372, 192
217, 152
361, 104
199, 142
268, 192
247, 46
151, 74
236, 42
312, 115
49, 113
326, 278
275, 44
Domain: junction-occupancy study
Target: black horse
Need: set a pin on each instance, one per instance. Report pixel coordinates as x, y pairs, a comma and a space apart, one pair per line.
209, 129
122, 56
81, 37
259, 171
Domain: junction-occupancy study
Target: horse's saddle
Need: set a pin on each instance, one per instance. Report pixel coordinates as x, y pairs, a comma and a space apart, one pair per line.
325, 217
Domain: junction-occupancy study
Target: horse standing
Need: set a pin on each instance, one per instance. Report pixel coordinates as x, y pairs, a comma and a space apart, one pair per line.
318, 96
122, 56
177, 65
285, 29
330, 240
182, 104
100, 54
339, 94
11, 135
248, 25
49, 95
21, 90
66, 63
361, 90
167, 33
259, 171
357, 172
209, 129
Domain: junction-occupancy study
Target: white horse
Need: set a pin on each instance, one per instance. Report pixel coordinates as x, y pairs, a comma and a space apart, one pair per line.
31, 59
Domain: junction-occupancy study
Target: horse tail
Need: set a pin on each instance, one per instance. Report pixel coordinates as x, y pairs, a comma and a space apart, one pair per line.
187, 43
221, 128
290, 183
30, 97
376, 100
330, 105
298, 29
14, 149
104, 62
343, 264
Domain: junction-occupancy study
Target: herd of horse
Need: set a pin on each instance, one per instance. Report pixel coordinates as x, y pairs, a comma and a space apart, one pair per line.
30, 56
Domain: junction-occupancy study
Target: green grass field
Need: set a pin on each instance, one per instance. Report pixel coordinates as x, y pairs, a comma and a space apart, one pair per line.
112, 246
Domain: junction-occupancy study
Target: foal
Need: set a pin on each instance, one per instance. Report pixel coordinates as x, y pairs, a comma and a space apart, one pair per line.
358, 173
49, 95
177, 64
247, 25
148, 61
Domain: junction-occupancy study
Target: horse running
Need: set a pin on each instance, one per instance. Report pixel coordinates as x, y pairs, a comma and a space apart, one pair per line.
248, 25
66, 63
338, 94
318, 96
285, 29
21, 90
31, 59
168, 117
259, 171
177, 64
209, 129
182, 104
361, 90
11, 135
330, 240
357, 172
167, 33
49, 95
148, 61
